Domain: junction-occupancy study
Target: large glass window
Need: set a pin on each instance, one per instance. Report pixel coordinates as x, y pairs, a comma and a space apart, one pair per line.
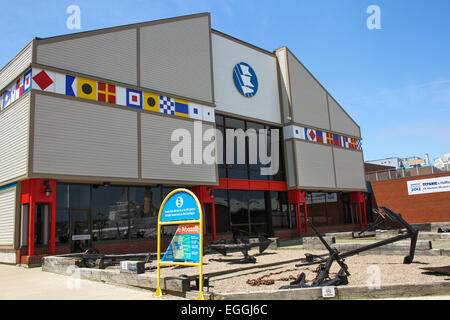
222, 213
282, 217
79, 196
144, 206
249, 170
238, 207
62, 226
109, 213
42, 225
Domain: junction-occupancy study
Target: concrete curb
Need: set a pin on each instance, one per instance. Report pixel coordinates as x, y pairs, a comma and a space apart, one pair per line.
344, 292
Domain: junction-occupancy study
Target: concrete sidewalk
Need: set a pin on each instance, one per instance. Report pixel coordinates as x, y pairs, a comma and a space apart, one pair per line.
18, 283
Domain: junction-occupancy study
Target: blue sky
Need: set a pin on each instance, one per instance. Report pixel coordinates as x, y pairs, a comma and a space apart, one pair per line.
395, 82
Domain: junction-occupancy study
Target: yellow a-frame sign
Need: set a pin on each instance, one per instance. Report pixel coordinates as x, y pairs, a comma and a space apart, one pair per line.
181, 207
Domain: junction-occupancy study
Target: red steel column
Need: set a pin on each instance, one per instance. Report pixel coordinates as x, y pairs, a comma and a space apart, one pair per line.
53, 228
299, 218
31, 227
306, 217
213, 216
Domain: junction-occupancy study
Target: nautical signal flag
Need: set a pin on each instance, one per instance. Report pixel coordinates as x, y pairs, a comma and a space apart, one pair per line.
336, 140
87, 89
134, 98
44, 80
6, 98
181, 108
106, 92
310, 134
71, 86
151, 101
319, 136
166, 105
27, 81
345, 142
358, 145
329, 138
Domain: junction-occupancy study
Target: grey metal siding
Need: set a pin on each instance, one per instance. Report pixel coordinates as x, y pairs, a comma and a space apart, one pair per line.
349, 169
290, 164
110, 55
284, 83
79, 138
7, 216
157, 148
341, 121
314, 165
15, 68
14, 133
309, 99
176, 58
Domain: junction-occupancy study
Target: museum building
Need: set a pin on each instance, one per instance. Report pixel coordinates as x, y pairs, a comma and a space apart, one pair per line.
87, 126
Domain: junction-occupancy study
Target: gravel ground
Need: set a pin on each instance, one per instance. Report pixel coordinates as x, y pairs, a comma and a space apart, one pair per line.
363, 270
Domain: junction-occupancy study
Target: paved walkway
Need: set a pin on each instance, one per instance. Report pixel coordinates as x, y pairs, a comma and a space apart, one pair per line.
19, 283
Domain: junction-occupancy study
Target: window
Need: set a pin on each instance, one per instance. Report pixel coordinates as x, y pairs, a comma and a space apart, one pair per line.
222, 210
62, 226
79, 196
238, 207
24, 225
109, 213
282, 217
42, 225
144, 203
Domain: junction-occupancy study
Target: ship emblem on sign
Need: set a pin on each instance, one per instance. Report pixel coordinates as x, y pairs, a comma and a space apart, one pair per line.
245, 79
179, 202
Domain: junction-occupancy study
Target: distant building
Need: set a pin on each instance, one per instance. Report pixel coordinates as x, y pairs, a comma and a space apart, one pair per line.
399, 163
443, 162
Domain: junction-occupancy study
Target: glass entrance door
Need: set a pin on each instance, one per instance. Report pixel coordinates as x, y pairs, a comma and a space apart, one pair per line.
80, 231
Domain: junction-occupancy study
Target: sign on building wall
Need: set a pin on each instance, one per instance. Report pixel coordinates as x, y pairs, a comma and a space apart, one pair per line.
245, 79
319, 197
441, 184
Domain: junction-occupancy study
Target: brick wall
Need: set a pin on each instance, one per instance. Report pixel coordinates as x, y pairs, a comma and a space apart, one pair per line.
425, 208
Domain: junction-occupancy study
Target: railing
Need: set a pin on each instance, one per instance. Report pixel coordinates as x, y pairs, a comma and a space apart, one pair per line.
404, 173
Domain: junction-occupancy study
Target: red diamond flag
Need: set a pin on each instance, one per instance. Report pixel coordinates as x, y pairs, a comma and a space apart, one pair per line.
43, 80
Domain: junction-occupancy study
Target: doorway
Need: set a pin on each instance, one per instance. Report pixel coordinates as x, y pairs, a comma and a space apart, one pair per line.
80, 231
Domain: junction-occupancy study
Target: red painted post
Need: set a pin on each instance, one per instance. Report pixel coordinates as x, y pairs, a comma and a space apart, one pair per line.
53, 228
365, 212
213, 214
299, 218
360, 215
306, 217
31, 227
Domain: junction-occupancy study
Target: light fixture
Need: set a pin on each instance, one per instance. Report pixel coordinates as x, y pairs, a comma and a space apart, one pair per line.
48, 190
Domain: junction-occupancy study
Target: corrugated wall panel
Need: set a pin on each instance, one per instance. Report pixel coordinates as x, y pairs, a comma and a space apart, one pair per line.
157, 147
110, 55
175, 58
7, 216
14, 129
78, 138
349, 169
281, 56
290, 164
309, 99
314, 165
15, 68
265, 104
340, 121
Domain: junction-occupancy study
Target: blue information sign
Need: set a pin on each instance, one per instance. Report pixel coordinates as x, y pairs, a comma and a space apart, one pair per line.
179, 207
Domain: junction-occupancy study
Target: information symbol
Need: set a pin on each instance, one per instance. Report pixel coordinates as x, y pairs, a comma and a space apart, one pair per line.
179, 202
